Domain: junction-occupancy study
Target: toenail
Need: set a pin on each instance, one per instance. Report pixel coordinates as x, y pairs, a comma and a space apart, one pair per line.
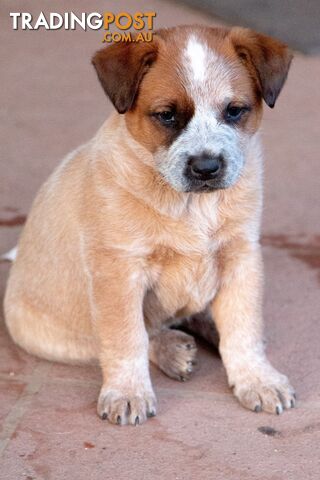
257, 408
119, 420
278, 410
104, 416
151, 414
136, 422
292, 403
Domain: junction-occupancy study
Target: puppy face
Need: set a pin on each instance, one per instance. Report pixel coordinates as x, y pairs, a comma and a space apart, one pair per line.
193, 97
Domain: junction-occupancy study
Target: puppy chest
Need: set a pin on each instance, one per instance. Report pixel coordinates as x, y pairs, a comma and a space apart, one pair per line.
184, 284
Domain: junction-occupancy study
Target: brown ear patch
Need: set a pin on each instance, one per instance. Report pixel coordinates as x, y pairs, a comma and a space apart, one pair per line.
267, 59
121, 67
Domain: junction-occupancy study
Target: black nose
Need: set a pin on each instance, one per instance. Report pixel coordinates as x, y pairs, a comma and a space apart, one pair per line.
205, 167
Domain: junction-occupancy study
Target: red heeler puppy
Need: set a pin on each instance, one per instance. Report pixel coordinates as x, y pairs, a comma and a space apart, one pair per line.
157, 219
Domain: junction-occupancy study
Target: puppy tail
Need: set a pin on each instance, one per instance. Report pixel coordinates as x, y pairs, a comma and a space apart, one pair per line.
9, 256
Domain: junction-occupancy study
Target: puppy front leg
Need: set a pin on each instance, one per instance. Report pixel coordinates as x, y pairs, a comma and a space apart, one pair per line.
237, 311
117, 291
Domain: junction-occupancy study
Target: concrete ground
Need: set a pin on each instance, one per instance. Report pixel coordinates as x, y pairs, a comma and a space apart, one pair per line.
50, 103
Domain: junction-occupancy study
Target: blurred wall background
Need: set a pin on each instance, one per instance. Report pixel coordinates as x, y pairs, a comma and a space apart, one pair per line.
296, 22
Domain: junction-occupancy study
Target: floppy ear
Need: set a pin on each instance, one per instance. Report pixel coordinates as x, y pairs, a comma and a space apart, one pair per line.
120, 68
267, 59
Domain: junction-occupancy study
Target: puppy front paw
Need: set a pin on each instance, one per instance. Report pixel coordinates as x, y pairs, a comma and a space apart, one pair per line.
270, 392
122, 408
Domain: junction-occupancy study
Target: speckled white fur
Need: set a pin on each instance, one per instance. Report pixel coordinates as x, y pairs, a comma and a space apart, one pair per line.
207, 80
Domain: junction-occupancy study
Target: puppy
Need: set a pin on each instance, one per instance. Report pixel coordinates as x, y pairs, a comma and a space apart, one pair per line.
156, 219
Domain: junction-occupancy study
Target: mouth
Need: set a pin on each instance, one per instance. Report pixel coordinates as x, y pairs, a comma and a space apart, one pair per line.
205, 186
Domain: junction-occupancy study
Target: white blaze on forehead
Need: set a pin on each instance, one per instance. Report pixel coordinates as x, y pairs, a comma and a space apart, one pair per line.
208, 76
196, 56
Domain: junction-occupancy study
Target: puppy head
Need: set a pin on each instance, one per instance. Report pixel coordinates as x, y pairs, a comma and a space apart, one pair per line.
193, 97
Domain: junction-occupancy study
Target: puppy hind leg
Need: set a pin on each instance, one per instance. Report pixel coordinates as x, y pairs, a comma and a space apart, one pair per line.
202, 325
174, 352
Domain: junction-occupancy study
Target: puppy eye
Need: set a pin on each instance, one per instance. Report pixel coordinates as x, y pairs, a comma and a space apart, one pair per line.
167, 118
234, 113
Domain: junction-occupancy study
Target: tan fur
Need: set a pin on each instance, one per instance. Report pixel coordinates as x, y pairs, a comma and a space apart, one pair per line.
111, 251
